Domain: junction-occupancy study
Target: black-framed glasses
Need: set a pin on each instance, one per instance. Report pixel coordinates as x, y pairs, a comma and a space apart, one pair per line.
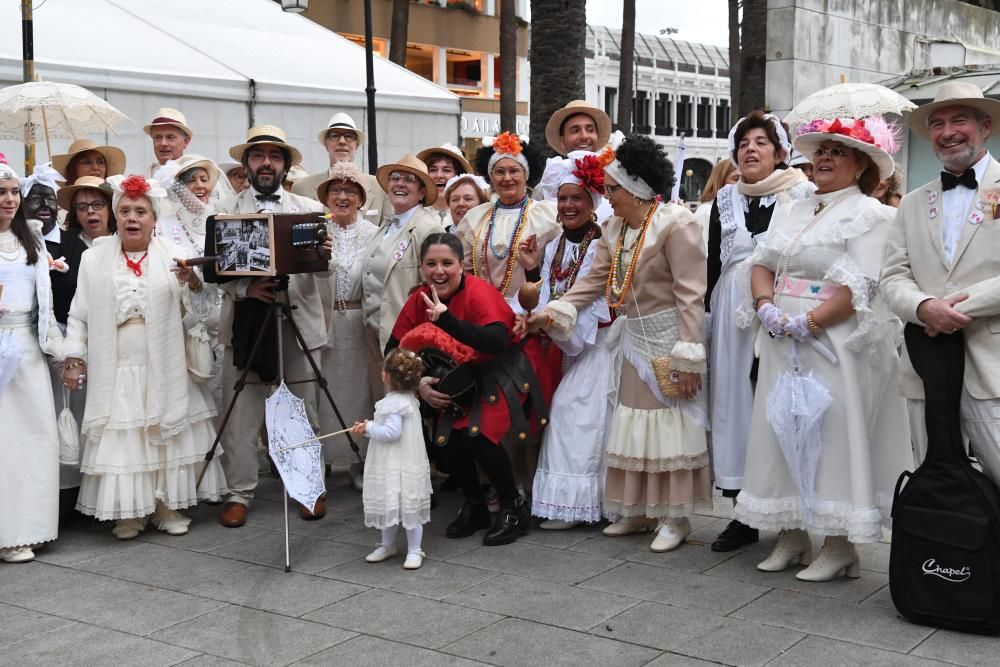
95, 205
836, 152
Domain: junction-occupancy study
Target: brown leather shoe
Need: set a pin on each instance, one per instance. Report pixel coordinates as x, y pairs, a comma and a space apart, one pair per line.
319, 511
233, 515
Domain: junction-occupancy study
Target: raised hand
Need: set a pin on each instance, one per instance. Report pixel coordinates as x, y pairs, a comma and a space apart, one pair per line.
435, 308
528, 253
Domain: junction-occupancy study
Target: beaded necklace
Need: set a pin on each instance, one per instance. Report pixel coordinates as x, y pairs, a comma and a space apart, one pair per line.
481, 260
618, 286
557, 274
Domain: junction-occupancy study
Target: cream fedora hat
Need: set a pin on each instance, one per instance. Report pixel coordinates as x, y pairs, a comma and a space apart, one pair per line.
955, 94
553, 128
413, 165
168, 116
265, 134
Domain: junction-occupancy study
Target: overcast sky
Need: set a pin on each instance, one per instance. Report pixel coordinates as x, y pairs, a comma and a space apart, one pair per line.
703, 21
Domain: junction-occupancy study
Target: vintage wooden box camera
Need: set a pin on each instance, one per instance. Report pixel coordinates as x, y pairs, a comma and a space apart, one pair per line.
265, 244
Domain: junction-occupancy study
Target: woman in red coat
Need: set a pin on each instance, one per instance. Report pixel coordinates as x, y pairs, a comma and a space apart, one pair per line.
472, 320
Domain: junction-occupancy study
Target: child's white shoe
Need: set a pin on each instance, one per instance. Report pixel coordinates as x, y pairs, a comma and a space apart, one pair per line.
382, 553
414, 559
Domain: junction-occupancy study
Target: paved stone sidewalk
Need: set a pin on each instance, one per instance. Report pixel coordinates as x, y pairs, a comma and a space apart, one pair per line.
219, 596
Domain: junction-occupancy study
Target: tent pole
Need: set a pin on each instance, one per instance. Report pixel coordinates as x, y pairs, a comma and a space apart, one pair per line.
370, 91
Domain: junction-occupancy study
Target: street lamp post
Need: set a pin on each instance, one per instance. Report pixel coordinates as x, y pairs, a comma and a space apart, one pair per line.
28, 56
299, 6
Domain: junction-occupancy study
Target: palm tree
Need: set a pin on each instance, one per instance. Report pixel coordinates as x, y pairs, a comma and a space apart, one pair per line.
397, 34
734, 60
627, 64
508, 66
558, 38
753, 55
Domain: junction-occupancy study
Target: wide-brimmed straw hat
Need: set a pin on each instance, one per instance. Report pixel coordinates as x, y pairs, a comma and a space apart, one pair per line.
342, 171
852, 133
554, 126
114, 158
265, 134
413, 165
189, 161
955, 94
446, 150
168, 116
341, 121
67, 192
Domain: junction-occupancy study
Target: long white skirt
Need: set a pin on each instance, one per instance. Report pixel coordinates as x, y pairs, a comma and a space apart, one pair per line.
29, 448
124, 473
345, 366
569, 481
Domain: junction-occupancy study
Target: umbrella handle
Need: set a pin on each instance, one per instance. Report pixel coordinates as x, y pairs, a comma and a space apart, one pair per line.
310, 441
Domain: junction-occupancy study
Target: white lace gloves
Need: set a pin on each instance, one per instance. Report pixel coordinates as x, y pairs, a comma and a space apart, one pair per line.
772, 318
798, 327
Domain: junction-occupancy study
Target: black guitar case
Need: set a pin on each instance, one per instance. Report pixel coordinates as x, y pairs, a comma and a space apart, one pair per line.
944, 566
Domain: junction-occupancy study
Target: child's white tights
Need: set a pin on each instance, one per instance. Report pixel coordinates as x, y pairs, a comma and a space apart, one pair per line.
413, 537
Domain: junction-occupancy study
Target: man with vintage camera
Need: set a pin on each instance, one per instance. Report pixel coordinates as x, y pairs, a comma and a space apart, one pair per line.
267, 157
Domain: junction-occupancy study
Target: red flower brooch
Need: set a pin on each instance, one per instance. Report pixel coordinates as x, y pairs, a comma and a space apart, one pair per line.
135, 186
590, 171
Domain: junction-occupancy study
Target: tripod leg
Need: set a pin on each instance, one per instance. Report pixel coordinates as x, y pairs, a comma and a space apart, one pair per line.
324, 385
238, 389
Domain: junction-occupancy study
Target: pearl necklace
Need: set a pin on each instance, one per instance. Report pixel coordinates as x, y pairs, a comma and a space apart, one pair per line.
618, 285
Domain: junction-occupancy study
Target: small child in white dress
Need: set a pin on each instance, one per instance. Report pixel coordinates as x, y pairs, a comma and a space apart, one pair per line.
397, 483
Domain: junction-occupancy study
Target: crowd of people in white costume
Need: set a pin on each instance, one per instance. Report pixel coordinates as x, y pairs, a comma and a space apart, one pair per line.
550, 338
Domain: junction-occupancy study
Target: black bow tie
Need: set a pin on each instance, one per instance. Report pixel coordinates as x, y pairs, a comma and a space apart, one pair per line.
271, 197
967, 179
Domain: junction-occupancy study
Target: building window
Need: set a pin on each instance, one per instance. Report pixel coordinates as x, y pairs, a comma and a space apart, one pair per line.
684, 116
722, 121
664, 121
705, 117
640, 113
611, 103
420, 60
465, 72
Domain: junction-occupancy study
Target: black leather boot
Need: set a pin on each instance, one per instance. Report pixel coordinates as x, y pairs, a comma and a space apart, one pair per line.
508, 524
472, 517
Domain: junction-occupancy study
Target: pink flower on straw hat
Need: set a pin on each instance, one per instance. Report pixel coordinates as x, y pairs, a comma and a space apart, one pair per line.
873, 130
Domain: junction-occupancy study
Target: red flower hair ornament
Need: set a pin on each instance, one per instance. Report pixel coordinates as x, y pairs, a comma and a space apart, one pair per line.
135, 186
590, 171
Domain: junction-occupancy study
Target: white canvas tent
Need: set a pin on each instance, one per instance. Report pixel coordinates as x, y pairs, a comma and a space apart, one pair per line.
221, 62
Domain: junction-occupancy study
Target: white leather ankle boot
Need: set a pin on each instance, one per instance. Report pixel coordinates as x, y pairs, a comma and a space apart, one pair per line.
792, 546
838, 556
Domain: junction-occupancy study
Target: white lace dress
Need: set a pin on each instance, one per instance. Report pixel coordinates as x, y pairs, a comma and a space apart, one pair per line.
569, 481
864, 437
397, 485
344, 357
132, 458
29, 444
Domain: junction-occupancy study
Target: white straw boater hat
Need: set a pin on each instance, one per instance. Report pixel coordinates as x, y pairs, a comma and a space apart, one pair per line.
413, 165
955, 94
553, 128
265, 134
341, 121
872, 136
168, 116
114, 158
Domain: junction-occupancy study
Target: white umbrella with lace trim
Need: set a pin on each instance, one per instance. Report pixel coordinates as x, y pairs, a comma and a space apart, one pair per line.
848, 100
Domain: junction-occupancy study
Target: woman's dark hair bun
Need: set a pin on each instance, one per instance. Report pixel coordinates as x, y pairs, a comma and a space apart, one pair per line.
644, 158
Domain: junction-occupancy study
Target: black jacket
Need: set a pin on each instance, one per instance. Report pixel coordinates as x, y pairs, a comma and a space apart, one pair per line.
64, 284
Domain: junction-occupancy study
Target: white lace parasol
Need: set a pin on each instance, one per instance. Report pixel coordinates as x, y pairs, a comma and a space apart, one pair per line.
795, 410
848, 100
301, 468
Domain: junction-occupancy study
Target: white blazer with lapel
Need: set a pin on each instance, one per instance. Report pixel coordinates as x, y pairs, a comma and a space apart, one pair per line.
916, 268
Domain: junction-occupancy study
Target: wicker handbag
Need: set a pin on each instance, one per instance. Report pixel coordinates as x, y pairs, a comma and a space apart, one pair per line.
667, 378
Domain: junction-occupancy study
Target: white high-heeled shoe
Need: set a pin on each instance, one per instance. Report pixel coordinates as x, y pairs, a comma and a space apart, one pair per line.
792, 546
629, 525
838, 556
670, 535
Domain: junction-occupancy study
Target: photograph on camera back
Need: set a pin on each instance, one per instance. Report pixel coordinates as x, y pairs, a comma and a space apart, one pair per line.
243, 246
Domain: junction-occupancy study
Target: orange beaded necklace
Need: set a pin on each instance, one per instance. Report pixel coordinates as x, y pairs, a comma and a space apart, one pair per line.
618, 286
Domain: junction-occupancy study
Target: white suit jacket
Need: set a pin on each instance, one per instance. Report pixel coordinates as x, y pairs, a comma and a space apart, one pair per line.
916, 268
